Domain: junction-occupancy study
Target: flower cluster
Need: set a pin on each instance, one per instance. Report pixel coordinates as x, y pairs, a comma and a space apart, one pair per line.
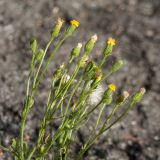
74, 94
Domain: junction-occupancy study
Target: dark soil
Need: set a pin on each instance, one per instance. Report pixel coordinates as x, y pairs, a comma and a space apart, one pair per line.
136, 26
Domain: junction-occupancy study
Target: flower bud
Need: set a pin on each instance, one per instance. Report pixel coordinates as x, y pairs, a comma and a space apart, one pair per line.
33, 45
83, 61
58, 73
39, 55
75, 52
122, 97
117, 66
57, 28
98, 74
90, 44
137, 96
93, 72
89, 67
107, 97
42, 148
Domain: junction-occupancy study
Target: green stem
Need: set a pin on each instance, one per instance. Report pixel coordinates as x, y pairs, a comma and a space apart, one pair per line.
22, 126
103, 129
99, 115
57, 46
41, 62
103, 60
70, 98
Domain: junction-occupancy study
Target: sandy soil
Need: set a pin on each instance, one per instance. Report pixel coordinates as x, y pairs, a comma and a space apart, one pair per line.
135, 25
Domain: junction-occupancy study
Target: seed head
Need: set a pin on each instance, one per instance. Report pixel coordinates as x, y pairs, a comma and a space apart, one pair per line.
94, 38
60, 22
125, 95
142, 91
96, 95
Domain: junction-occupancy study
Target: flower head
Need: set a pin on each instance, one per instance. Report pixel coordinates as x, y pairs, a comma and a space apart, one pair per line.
79, 45
74, 23
60, 22
142, 91
94, 38
111, 41
125, 95
95, 97
112, 87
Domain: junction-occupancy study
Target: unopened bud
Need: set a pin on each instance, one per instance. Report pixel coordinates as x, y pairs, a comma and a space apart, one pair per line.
57, 27
137, 96
117, 66
75, 52
83, 61
98, 74
107, 97
89, 67
33, 45
39, 55
122, 97
90, 44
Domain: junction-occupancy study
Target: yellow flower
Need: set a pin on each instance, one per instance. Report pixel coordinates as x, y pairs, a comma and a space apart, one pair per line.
112, 87
111, 41
74, 23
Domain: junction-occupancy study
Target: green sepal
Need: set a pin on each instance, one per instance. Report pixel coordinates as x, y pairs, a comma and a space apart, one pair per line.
70, 30
107, 51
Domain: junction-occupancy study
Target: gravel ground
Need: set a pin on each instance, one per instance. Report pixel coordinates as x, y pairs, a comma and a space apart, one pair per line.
135, 25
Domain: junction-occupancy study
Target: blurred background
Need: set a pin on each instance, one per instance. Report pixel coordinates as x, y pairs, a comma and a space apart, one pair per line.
135, 24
